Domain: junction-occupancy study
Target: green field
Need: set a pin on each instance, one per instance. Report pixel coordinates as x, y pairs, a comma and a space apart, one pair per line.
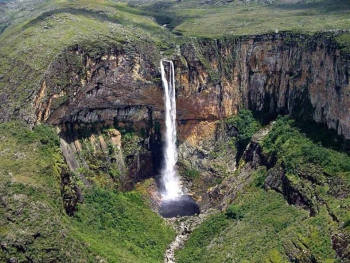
218, 18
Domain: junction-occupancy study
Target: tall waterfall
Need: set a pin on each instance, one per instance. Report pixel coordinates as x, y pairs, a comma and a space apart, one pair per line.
171, 181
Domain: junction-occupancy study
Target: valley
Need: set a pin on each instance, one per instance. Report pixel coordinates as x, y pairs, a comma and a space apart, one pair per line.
262, 130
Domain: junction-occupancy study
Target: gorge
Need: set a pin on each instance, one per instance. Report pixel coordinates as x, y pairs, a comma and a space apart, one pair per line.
245, 136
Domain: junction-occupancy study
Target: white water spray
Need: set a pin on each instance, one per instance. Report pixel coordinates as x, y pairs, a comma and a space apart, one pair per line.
171, 181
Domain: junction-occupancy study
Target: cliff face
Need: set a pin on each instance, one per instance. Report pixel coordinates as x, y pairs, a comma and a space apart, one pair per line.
108, 107
306, 77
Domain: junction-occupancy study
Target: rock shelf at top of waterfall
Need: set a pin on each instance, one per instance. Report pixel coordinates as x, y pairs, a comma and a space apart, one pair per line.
169, 175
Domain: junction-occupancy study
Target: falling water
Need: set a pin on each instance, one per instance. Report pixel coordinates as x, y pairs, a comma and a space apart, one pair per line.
172, 188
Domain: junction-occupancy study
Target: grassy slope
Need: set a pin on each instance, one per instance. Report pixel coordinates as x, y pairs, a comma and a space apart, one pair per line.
120, 228
31, 216
268, 226
264, 228
215, 18
111, 226
38, 41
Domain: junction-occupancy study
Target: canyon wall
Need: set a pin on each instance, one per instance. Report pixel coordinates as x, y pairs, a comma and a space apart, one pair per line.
306, 77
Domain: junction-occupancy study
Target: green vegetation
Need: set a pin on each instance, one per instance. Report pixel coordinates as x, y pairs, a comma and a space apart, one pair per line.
130, 231
246, 126
344, 42
191, 174
31, 213
29, 46
233, 212
217, 18
260, 226
118, 227
40, 33
296, 150
250, 230
311, 168
201, 238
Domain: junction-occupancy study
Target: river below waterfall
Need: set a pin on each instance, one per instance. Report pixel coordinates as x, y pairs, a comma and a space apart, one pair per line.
183, 227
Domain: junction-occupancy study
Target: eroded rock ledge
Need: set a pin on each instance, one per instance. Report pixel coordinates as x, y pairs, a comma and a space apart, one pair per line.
304, 76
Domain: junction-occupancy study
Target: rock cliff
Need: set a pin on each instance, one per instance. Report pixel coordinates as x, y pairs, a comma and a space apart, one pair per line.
306, 77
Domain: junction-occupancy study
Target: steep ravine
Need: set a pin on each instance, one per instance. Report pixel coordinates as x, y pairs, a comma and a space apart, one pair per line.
306, 77
109, 108
221, 196
109, 111
279, 206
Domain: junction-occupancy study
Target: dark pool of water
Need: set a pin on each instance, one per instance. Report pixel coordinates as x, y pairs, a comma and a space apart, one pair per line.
182, 206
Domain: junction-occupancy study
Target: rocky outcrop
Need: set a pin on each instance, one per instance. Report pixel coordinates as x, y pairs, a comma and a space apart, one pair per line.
109, 157
308, 186
183, 226
252, 160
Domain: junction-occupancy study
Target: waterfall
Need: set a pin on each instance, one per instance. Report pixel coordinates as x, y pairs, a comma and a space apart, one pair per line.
171, 181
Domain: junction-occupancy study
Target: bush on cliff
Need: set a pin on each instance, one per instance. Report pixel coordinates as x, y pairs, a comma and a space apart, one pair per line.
246, 126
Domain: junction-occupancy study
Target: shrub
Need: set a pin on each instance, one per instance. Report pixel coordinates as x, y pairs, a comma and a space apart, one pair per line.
233, 212
192, 174
246, 126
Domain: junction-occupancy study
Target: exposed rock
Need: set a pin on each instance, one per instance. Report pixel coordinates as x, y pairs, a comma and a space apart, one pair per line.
110, 111
71, 192
183, 227
207, 151
341, 246
297, 192
274, 179
225, 193
306, 77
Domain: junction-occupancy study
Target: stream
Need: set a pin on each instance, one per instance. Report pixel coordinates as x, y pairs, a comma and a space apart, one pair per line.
183, 227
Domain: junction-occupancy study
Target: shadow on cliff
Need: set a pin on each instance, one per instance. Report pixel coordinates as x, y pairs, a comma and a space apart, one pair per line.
321, 134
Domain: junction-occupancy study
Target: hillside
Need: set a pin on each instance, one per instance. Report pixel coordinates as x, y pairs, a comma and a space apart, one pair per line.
217, 18
263, 125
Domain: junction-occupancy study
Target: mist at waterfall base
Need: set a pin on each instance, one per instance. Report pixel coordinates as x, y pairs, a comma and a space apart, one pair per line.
174, 202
